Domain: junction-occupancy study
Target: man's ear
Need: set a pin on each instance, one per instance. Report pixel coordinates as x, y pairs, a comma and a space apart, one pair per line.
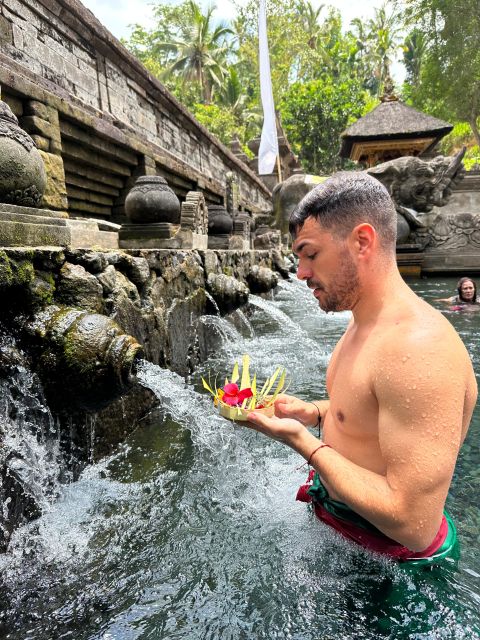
364, 238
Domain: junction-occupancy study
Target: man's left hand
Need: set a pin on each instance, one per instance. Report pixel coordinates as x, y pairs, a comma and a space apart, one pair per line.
286, 430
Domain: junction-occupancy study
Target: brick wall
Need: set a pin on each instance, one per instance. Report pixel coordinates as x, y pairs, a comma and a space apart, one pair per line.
99, 118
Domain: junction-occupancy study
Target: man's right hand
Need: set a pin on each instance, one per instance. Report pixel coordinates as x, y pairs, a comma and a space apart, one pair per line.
305, 412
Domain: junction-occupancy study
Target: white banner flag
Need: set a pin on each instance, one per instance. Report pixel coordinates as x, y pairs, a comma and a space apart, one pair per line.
268, 151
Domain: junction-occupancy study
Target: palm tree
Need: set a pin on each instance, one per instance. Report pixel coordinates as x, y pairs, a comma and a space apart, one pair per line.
199, 50
232, 96
310, 18
383, 38
414, 50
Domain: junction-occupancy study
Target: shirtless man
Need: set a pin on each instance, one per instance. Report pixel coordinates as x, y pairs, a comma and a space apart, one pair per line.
400, 382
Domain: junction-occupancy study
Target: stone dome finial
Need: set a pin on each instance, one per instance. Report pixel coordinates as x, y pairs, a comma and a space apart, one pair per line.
388, 91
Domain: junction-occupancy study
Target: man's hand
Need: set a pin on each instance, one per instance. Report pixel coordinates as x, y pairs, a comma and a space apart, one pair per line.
305, 412
284, 429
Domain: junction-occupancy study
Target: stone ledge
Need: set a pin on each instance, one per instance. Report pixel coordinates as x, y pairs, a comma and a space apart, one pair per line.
20, 226
30, 211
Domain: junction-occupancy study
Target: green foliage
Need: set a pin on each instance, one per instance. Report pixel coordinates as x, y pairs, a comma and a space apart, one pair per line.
212, 68
460, 136
6, 271
472, 157
314, 116
449, 78
218, 120
414, 53
186, 47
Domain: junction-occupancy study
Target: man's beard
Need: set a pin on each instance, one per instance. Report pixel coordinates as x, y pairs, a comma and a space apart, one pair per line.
342, 292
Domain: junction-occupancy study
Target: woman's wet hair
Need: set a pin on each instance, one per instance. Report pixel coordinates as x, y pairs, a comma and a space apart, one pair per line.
460, 283
345, 200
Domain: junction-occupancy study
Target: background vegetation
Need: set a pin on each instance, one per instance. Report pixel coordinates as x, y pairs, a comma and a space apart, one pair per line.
325, 75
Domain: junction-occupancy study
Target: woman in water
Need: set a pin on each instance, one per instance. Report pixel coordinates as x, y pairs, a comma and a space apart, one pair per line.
466, 294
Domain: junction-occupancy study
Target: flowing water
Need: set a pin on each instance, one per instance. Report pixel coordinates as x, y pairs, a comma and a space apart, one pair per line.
191, 530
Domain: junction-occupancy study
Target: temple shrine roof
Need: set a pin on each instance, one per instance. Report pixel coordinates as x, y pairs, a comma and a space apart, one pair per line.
392, 126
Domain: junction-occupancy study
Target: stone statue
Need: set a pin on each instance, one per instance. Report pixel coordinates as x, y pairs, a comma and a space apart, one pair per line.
417, 185
194, 213
287, 194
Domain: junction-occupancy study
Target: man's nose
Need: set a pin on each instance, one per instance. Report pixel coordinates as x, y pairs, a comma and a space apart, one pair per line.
303, 273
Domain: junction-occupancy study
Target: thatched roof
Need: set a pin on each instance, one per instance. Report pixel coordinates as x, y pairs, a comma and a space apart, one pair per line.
392, 120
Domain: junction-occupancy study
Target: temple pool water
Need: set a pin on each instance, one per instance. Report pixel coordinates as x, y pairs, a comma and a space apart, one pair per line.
191, 531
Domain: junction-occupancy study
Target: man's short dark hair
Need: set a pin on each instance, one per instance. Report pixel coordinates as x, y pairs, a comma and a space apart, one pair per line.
346, 199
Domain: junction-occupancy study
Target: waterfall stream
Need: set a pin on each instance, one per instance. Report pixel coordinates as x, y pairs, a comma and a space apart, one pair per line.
191, 529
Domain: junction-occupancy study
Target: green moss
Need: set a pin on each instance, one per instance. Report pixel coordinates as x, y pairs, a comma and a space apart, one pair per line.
6, 271
15, 274
228, 271
24, 273
72, 355
42, 289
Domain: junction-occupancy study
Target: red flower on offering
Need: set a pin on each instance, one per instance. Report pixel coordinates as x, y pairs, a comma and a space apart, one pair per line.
233, 396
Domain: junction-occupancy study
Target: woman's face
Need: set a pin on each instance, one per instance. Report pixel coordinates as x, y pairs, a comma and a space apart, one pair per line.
467, 290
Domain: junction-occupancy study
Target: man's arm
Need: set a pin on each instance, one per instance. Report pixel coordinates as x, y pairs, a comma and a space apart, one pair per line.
420, 389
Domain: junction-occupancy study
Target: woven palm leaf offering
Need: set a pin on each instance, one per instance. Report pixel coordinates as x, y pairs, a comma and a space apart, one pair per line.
235, 401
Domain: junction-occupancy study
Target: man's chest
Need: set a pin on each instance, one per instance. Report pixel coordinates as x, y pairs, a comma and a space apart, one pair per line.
350, 386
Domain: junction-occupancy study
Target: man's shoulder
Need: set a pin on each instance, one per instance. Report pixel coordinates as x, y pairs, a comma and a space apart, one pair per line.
419, 330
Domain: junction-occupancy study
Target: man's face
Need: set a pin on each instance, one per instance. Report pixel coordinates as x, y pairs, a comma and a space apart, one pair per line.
467, 290
327, 267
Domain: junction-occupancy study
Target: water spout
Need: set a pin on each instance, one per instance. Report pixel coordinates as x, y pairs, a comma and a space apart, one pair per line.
93, 359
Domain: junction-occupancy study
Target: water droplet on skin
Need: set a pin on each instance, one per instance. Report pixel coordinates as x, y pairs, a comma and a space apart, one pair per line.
404, 359
424, 415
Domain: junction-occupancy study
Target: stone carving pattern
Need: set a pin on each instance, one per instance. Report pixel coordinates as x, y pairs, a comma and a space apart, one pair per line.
194, 213
420, 184
29, 197
241, 227
450, 232
16, 134
151, 187
233, 195
268, 240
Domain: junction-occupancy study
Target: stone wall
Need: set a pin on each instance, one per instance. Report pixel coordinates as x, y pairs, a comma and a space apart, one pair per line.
100, 119
155, 295
160, 297
453, 230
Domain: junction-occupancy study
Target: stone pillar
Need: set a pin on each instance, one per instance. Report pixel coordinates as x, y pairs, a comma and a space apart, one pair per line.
194, 222
41, 122
240, 240
232, 194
